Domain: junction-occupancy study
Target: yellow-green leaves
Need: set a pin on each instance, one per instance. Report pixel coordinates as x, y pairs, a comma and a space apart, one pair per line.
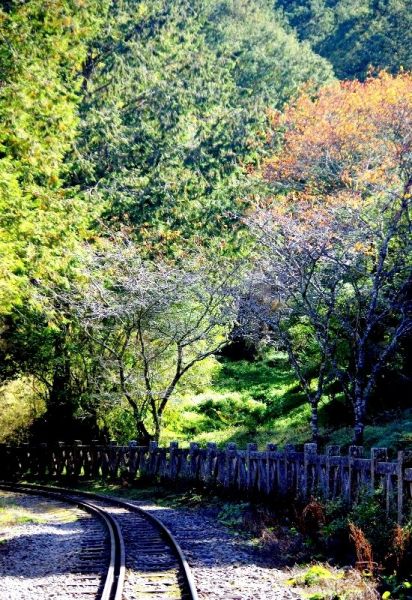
41, 55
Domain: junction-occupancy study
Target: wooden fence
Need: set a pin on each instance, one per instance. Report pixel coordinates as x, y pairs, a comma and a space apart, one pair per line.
300, 473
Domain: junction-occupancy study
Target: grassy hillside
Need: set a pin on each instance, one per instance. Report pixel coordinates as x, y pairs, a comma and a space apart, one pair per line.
261, 401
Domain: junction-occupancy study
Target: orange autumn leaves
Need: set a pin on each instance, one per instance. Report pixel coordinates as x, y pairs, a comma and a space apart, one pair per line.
353, 141
333, 242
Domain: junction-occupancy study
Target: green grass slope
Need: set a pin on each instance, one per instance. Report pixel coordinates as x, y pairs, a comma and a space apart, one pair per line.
262, 402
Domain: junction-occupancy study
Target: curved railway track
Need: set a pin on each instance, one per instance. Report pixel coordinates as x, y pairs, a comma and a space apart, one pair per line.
145, 559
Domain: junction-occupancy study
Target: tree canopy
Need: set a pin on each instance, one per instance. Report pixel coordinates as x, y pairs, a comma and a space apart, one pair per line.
174, 110
216, 137
355, 35
337, 236
41, 55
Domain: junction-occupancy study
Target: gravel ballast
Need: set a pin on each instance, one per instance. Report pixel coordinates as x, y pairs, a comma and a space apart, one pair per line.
45, 554
223, 565
43, 559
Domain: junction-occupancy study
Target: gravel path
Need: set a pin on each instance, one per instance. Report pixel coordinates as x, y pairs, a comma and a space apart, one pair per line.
223, 565
44, 556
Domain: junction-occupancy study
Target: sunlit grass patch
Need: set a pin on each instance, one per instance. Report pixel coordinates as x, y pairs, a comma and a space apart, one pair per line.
395, 434
242, 400
262, 402
12, 514
58, 513
323, 582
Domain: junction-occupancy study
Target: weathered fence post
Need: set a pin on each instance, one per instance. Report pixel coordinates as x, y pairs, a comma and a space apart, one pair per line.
250, 481
113, 463
399, 473
288, 465
194, 460
173, 447
404, 459
132, 462
331, 452
210, 466
94, 458
310, 452
269, 449
377, 454
42, 468
152, 458
229, 458
355, 452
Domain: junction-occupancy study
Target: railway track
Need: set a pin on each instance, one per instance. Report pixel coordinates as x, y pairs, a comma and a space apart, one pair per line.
145, 561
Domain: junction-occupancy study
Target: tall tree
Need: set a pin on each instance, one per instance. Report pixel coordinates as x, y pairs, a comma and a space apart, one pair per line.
42, 51
338, 238
150, 323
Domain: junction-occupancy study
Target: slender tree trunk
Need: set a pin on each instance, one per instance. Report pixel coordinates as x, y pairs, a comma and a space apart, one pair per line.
359, 425
142, 434
314, 421
359, 395
157, 431
60, 403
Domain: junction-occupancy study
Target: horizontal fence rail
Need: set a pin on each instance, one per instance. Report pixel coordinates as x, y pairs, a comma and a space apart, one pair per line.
300, 473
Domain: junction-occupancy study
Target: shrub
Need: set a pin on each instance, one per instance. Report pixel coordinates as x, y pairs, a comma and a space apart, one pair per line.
232, 514
363, 549
313, 518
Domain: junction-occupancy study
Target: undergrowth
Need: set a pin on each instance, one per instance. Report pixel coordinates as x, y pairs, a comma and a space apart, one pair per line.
261, 401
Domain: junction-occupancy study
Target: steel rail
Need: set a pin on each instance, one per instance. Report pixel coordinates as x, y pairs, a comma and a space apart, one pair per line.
115, 575
189, 583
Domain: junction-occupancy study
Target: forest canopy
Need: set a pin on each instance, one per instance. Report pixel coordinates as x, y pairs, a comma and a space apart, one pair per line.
187, 186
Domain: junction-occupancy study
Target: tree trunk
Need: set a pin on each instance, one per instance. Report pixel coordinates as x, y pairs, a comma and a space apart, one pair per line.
60, 409
359, 388
314, 423
359, 425
157, 431
143, 436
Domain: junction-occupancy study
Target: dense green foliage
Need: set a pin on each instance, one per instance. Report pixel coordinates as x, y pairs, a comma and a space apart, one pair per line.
261, 401
174, 110
44, 45
152, 122
43, 48
355, 35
